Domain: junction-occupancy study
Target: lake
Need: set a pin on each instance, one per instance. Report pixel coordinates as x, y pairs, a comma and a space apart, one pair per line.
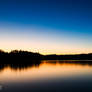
47, 76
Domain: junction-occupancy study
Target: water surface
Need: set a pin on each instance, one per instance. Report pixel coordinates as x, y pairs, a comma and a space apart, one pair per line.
47, 76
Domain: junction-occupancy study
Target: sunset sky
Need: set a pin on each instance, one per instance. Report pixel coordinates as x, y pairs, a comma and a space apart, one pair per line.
46, 26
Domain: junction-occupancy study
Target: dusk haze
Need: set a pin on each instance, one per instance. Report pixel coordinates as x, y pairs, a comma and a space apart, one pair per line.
46, 26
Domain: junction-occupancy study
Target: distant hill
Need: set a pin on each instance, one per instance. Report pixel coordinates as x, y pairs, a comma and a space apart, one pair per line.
69, 57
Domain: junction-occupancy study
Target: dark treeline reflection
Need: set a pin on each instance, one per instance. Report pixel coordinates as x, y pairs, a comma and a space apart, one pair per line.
76, 62
18, 66
37, 64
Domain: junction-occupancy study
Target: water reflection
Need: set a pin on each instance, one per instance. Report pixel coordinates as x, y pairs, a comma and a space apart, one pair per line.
52, 62
47, 76
18, 66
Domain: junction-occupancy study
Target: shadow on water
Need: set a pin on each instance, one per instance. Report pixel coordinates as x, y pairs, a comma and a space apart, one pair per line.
76, 62
19, 66
22, 66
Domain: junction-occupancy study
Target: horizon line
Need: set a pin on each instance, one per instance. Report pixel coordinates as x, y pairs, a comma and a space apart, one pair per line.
41, 53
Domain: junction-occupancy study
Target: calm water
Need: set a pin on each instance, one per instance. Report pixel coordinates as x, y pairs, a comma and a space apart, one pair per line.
48, 76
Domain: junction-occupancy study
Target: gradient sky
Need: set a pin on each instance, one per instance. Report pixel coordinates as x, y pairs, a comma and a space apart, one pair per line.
46, 26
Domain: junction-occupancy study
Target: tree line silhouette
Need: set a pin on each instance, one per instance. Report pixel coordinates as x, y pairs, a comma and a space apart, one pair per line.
20, 56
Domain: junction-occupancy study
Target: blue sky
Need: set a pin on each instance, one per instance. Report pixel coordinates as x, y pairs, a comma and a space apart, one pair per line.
46, 26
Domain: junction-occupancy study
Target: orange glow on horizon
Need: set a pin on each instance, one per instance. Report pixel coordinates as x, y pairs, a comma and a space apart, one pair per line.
51, 51
41, 47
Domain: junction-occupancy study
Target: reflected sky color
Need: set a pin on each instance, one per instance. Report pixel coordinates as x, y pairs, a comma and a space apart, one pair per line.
47, 76
45, 71
46, 26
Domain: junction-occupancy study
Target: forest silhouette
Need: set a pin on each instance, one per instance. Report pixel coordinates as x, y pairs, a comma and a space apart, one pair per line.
18, 59
19, 56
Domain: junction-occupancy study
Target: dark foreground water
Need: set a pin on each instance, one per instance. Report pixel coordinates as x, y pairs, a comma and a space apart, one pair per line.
48, 76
